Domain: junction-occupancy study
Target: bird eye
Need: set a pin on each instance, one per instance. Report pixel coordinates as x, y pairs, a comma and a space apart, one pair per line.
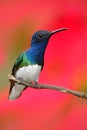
40, 36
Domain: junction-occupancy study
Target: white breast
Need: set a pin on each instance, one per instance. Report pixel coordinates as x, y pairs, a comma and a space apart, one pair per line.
29, 73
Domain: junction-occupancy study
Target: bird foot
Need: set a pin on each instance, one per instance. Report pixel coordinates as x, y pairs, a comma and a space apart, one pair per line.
36, 84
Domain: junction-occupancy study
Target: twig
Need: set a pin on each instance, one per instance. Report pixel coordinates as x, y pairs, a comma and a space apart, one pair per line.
44, 86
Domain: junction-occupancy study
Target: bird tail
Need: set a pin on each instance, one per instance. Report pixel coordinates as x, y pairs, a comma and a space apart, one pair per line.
16, 91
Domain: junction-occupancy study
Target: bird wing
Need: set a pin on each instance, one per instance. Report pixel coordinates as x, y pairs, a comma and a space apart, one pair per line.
17, 64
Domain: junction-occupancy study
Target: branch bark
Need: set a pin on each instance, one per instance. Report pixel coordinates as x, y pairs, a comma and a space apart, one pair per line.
45, 86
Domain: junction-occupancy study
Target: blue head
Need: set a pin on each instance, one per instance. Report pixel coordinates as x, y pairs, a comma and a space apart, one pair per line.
39, 38
38, 45
42, 37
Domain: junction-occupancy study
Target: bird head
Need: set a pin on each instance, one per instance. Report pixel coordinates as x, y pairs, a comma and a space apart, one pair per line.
42, 36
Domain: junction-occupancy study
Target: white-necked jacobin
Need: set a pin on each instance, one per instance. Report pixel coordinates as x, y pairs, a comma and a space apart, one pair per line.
30, 63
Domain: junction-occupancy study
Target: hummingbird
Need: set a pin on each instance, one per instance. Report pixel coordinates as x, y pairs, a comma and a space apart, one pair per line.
30, 63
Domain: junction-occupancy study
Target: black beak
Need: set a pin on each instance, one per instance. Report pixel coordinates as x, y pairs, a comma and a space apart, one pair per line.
58, 30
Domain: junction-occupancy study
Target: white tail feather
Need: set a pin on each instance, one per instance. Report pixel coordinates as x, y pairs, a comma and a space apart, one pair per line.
16, 91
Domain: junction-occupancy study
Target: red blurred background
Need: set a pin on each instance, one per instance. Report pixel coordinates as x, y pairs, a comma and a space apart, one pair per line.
65, 64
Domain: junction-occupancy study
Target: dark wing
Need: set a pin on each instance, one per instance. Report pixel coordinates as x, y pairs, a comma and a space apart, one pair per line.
15, 68
17, 63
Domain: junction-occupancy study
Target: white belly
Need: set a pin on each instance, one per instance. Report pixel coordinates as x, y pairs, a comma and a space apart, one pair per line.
29, 73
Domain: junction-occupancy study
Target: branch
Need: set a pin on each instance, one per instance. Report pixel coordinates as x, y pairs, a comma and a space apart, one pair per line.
44, 86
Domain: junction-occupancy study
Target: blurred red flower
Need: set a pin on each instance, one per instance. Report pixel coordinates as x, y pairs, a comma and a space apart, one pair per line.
65, 64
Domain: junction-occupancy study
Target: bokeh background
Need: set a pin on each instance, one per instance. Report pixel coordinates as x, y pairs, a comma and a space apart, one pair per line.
65, 64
